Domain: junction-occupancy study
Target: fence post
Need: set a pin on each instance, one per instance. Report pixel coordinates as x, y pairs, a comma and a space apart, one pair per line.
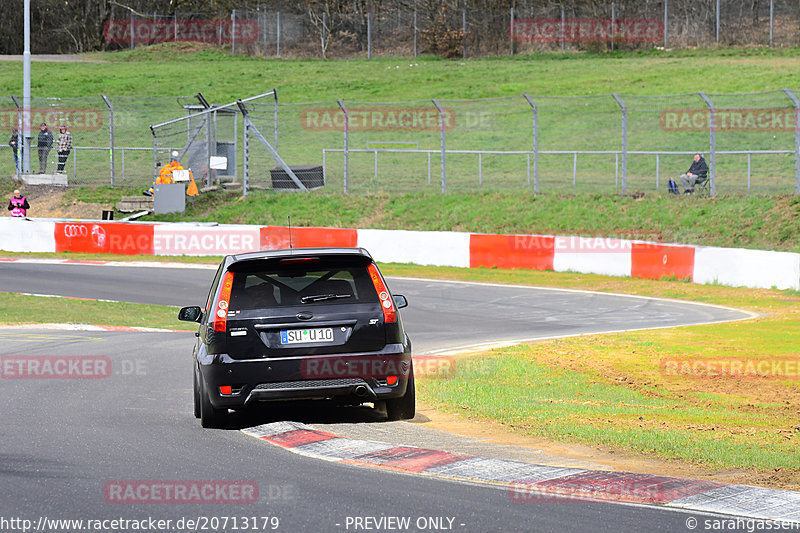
233, 32
275, 124
110, 135
444, 146
18, 152
666, 21
463, 33
563, 29
717, 23
712, 139
771, 19
324, 31
246, 152
511, 31
369, 37
209, 177
613, 23
346, 144
624, 141
155, 152
535, 142
415, 33
132, 30
278, 32
796, 104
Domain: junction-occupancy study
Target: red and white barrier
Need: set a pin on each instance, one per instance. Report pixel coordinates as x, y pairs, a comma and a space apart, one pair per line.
23, 235
197, 239
438, 248
598, 255
749, 268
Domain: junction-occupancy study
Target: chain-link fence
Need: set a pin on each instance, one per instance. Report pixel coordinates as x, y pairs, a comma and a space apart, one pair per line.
366, 28
602, 143
401, 28
542, 143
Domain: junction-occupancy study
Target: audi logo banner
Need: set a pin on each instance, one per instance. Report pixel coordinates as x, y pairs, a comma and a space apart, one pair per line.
111, 238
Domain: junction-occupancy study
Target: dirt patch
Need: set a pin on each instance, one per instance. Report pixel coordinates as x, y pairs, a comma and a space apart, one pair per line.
51, 202
620, 460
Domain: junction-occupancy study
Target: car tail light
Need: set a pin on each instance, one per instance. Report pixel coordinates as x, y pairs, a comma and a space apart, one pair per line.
220, 309
391, 380
299, 260
387, 305
225, 390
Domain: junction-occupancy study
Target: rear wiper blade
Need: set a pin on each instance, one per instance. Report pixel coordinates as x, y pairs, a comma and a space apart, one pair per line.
321, 297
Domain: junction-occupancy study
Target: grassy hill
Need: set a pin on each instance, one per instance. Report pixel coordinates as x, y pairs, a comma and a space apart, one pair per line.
175, 69
757, 222
748, 221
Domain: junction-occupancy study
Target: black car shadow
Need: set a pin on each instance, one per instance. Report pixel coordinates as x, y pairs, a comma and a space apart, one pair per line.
307, 412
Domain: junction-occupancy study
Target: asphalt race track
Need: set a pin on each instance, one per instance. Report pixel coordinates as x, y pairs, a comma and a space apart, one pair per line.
440, 315
66, 443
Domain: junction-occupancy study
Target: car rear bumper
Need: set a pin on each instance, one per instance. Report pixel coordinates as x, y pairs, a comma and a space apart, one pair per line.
356, 377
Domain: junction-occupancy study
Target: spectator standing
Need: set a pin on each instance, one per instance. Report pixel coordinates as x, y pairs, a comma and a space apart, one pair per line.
64, 146
45, 143
13, 143
18, 205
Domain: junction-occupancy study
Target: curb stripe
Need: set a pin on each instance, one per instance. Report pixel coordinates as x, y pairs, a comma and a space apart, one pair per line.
298, 437
410, 459
530, 483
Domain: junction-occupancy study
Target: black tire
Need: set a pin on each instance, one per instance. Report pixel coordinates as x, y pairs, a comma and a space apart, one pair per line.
405, 407
195, 394
210, 416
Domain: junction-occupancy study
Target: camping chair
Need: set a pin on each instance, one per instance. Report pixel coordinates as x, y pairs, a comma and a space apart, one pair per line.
702, 187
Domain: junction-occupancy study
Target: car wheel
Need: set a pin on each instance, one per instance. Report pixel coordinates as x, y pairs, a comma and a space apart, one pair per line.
195, 394
405, 407
210, 416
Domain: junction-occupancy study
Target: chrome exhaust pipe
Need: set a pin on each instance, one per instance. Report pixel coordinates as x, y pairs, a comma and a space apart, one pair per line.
361, 391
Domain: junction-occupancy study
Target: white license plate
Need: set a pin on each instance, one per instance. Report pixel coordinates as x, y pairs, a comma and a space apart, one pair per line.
302, 336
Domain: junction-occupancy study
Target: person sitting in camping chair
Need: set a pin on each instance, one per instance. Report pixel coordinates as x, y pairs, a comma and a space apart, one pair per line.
697, 174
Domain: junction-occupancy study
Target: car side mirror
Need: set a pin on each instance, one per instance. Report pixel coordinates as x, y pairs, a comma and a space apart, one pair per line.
400, 301
190, 314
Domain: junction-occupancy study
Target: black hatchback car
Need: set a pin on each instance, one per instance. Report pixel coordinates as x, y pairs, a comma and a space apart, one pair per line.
306, 323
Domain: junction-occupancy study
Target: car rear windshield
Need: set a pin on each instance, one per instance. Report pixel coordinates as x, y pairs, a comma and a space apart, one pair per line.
295, 285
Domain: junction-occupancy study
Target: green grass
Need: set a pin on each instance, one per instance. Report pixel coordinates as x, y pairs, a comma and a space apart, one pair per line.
735, 221
222, 78
509, 387
100, 194
20, 309
564, 124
